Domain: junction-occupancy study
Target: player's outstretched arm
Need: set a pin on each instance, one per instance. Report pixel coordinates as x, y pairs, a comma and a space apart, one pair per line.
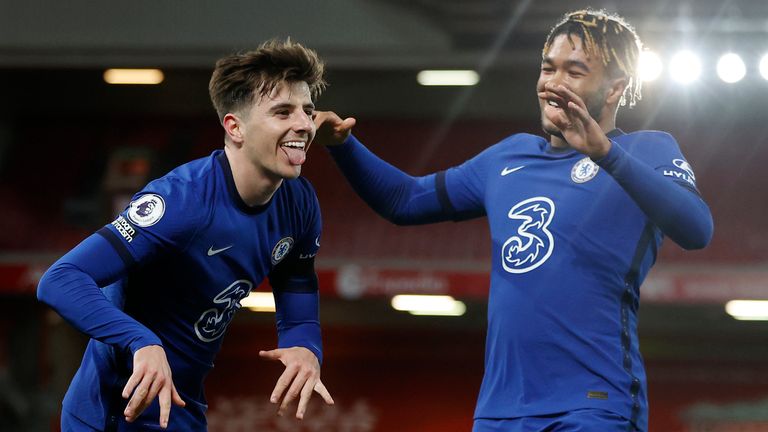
396, 196
300, 379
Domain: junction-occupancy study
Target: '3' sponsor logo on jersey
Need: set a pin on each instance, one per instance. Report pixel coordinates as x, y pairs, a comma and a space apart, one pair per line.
532, 243
212, 323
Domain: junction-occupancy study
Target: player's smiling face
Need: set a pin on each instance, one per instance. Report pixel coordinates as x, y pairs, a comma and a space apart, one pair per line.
568, 64
278, 129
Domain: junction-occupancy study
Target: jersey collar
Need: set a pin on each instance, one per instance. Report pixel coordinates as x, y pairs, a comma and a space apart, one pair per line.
232, 189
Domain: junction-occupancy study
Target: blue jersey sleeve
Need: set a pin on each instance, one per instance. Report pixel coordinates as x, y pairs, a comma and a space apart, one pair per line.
158, 220
163, 217
72, 287
295, 287
466, 183
653, 171
396, 196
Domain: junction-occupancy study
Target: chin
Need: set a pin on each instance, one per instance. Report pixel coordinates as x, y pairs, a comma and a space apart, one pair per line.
292, 173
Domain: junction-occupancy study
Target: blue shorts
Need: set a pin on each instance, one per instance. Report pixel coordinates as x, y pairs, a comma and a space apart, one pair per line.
582, 420
70, 423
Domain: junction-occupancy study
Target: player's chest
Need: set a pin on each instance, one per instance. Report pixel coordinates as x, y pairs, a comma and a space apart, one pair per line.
235, 247
539, 190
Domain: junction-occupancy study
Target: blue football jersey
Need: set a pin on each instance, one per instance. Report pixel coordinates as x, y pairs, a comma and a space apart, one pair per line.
194, 250
570, 249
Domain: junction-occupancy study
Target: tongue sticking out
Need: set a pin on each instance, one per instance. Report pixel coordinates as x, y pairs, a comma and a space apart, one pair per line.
295, 156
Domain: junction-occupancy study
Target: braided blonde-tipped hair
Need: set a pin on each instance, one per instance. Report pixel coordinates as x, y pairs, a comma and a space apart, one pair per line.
609, 37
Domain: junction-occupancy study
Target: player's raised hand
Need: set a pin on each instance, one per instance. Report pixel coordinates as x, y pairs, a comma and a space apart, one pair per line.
299, 379
579, 129
332, 129
151, 378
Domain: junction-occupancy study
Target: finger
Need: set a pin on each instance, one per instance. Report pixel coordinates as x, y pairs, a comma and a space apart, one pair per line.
274, 354
580, 112
164, 399
176, 397
294, 391
137, 399
550, 96
282, 384
323, 392
306, 395
569, 94
133, 381
347, 124
154, 389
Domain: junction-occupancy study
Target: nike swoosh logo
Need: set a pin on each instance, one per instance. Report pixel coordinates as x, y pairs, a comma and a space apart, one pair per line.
507, 171
212, 251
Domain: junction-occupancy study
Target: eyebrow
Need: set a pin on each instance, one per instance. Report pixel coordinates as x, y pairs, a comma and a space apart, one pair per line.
569, 63
287, 105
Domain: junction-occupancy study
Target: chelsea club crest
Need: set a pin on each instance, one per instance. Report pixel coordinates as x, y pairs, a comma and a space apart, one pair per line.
281, 249
584, 170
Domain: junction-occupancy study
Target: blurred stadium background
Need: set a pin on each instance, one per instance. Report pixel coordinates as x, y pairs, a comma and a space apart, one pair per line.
74, 148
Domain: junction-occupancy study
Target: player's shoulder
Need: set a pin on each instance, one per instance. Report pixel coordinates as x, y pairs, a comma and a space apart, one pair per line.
186, 182
183, 193
645, 138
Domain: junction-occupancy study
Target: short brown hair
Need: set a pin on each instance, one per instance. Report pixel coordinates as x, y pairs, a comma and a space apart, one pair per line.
237, 78
611, 38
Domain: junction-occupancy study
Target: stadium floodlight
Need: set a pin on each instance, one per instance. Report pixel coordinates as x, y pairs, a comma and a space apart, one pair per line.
731, 68
685, 67
259, 302
650, 66
764, 66
748, 310
134, 76
448, 78
429, 305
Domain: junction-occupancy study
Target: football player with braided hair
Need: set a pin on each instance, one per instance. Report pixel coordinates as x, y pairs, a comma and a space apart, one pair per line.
576, 220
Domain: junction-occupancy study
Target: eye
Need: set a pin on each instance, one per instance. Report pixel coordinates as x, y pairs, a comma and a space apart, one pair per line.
309, 112
576, 73
547, 69
283, 113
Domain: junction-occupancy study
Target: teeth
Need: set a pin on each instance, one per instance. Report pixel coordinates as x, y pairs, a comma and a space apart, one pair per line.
553, 103
294, 144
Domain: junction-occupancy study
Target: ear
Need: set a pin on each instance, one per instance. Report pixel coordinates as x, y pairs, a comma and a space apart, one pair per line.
233, 128
615, 91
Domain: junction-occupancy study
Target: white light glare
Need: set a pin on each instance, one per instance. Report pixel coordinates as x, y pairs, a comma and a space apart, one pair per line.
764, 66
429, 305
133, 76
650, 66
731, 68
685, 67
748, 310
259, 302
447, 78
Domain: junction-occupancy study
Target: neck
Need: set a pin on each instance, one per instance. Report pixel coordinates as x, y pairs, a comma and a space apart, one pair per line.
253, 185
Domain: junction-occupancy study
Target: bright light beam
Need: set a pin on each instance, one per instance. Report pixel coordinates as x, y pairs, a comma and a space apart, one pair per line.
429, 305
134, 76
259, 302
448, 78
764, 67
731, 68
685, 67
748, 310
650, 66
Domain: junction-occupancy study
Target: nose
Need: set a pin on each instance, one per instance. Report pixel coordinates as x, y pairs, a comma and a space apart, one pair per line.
303, 123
